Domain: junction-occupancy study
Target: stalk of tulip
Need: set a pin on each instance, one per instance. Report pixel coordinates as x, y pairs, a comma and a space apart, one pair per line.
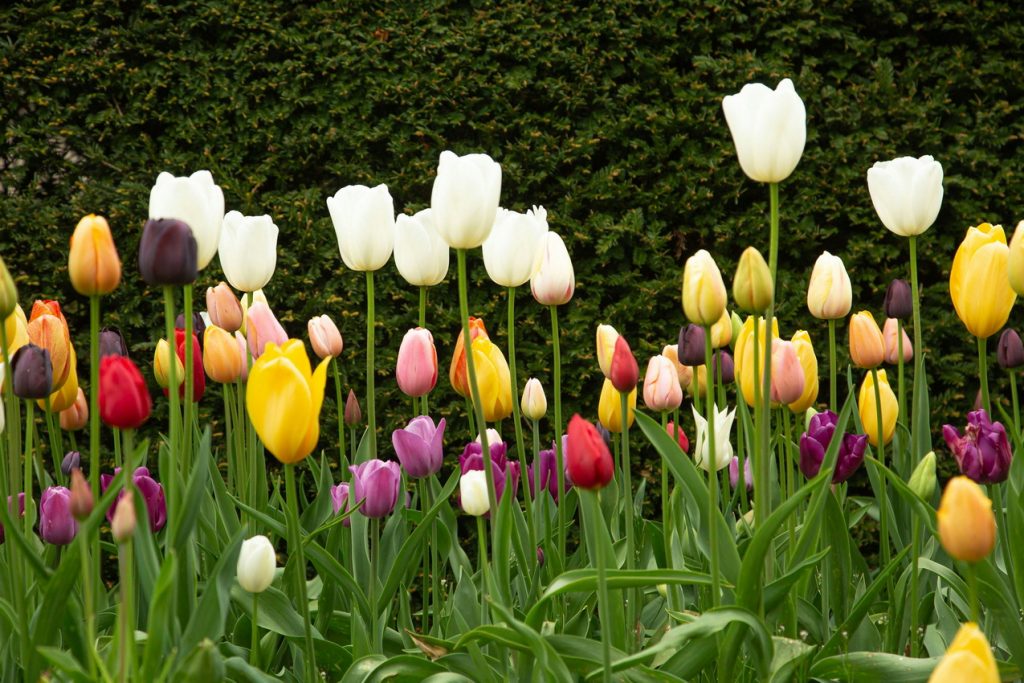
340, 407
712, 451
189, 382
423, 323
295, 546
832, 388
485, 578
627, 483
174, 413
915, 438
559, 455
512, 374
883, 497
591, 510
986, 403
371, 401
126, 645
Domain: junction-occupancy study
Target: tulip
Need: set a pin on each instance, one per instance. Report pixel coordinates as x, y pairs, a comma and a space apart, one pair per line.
248, 250
606, 338
728, 371
534, 403
492, 379
501, 468
723, 447
353, 416
978, 281
809, 363
684, 372
624, 372
906, 193
420, 446
72, 461
816, 440
112, 342
324, 337
465, 198
553, 281
283, 397
587, 459
82, 501
223, 307
752, 284
76, 416
197, 202
787, 380
33, 373
1015, 262
124, 399
680, 436
473, 493
922, 480
416, 370
257, 564
93, 263
967, 527
721, 331
493, 437
745, 355
510, 249
983, 452
547, 462
691, 345
703, 292
421, 255
609, 408
8, 292
898, 303
734, 473
867, 344
892, 349
768, 128
364, 222
243, 355
162, 359
890, 408
375, 482
64, 397
56, 525
50, 332
458, 374
168, 253
122, 526
829, 294
968, 658
221, 359
247, 301
152, 493
340, 500
263, 329
16, 327
1010, 350
661, 385
699, 385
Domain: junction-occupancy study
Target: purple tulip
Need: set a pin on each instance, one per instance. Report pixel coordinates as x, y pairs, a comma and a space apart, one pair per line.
540, 556
983, 452
472, 458
56, 525
152, 494
748, 473
728, 367
547, 461
815, 441
72, 461
339, 500
375, 482
112, 343
420, 446
690, 349
21, 511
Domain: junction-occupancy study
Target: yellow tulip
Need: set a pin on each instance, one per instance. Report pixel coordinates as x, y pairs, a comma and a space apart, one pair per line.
163, 356
809, 362
704, 295
752, 283
698, 385
868, 413
283, 398
979, 281
93, 263
609, 409
16, 328
967, 527
968, 658
8, 292
492, 380
64, 398
606, 336
1015, 262
721, 331
744, 358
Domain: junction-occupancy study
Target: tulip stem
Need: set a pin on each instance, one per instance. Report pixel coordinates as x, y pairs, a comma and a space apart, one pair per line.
918, 349
915, 552
763, 509
189, 382
254, 649
559, 456
591, 510
666, 513
295, 546
883, 498
94, 434
371, 400
983, 374
1016, 404
481, 536
833, 388
126, 644
538, 511
30, 419
627, 484
172, 398
423, 324
341, 413
56, 444
712, 463
520, 448
972, 593
88, 603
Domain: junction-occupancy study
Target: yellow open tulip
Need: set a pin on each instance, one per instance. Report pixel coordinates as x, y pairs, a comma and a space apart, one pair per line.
64, 398
968, 658
283, 397
868, 413
809, 362
979, 282
744, 358
609, 409
492, 380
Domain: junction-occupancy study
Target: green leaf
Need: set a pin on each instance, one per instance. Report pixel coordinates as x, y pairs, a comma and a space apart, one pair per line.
161, 618
872, 667
207, 622
191, 503
789, 657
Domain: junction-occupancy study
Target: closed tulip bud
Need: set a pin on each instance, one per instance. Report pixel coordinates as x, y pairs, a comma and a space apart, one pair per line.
221, 359
492, 379
1010, 350
906, 193
728, 372
76, 416
283, 397
898, 303
81, 496
704, 296
510, 249
33, 373
867, 345
168, 253
745, 357
809, 363
609, 409
112, 342
892, 347
1014, 263
734, 473
769, 128
983, 451
553, 281
679, 435
124, 399
606, 338
340, 501
978, 281
123, 524
195, 201
353, 415
684, 372
922, 479
737, 325
56, 525
661, 385
262, 328
699, 385
691, 345
8, 292
376, 483
493, 437
968, 658
534, 403
587, 460
721, 331
223, 306
416, 370
248, 250
257, 563
72, 461
50, 332
153, 498
967, 527
162, 360
624, 372
364, 223
324, 337
473, 493
723, 446
868, 413
829, 294
465, 198
420, 446
752, 283
458, 372
93, 263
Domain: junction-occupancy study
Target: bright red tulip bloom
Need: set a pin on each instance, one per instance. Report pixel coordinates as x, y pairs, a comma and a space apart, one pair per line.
124, 399
624, 371
587, 457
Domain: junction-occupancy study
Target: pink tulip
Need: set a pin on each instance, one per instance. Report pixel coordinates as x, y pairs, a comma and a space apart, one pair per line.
223, 307
661, 385
787, 373
324, 337
417, 363
892, 349
263, 328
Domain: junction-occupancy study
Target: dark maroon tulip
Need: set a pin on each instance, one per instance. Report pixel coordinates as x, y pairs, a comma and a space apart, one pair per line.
33, 372
112, 342
56, 525
815, 441
898, 303
472, 458
728, 367
376, 482
152, 493
198, 325
168, 252
983, 452
1010, 350
691, 345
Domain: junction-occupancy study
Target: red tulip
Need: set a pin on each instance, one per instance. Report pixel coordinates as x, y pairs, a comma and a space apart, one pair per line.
624, 371
587, 457
124, 399
198, 374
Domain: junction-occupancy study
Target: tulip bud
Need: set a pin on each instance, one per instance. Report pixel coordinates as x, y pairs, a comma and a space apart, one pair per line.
829, 294
458, 371
721, 331
609, 409
787, 381
737, 327
898, 303
493, 380
56, 525
33, 373
661, 385
587, 459
324, 337
353, 415
243, 355
340, 501
1015, 262
691, 345
699, 385
223, 306
493, 437
624, 371
124, 399
123, 524
72, 461
606, 337
81, 496
221, 359
473, 493
257, 563
809, 362
752, 284
868, 412
416, 370
1010, 350
679, 435
534, 403
704, 295
112, 342
728, 367
196, 201
553, 281
8, 292
376, 483
892, 347
262, 328
93, 263
48, 329
198, 326
967, 527
867, 346
979, 283
76, 416
162, 360
248, 250
769, 129
734, 473
922, 479
906, 193
364, 223
968, 658
168, 253
16, 326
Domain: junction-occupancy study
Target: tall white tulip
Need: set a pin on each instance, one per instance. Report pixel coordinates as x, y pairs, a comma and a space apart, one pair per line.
907, 193
364, 221
197, 201
256, 564
248, 250
723, 446
769, 128
465, 198
553, 281
421, 256
509, 251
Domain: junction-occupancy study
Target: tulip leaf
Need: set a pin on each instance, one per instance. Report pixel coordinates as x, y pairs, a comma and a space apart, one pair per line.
920, 508
62, 661
582, 657
599, 545
194, 491
789, 656
240, 670
403, 667
871, 667
776, 591
921, 415
275, 611
54, 605
208, 619
161, 616
501, 547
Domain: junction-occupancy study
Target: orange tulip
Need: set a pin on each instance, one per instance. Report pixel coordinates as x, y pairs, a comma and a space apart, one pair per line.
867, 346
221, 359
48, 329
93, 263
967, 526
77, 415
458, 374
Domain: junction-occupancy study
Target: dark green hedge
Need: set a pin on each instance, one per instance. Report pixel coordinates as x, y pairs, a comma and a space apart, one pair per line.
608, 114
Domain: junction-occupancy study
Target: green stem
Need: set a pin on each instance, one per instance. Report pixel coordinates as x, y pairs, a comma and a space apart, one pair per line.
520, 448
627, 480
89, 604
918, 348
666, 516
94, 437
341, 412
254, 649
540, 521
30, 506
371, 400
983, 374
295, 546
972, 593
1015, 403
421, 485
712, 462
423, 324
126, 644
915, 552
485, 579
175, 415
374, 530
186, 451
833, 388
435, 568
603, 600
763, 508
559, 456
56, 444
883, 498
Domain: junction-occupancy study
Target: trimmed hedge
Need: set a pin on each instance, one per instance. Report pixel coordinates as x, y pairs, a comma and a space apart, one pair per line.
608, 114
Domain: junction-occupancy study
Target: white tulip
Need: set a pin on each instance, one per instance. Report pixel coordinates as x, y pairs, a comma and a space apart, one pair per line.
723, 447
257, 563
421, 256
493, 437
197, 201
364, 221
907, 193
769, 128
510, 249
553, 281
829, 293
534, 403
465, 198
248, 250
473, 493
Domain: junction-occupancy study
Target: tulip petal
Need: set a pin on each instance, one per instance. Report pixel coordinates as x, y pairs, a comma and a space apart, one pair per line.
279, 401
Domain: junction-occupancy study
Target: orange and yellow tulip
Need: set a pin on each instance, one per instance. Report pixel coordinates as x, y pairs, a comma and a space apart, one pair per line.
967, 527
458, 373
47, 329
93, 263
492, 380
867, 345
221, 359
